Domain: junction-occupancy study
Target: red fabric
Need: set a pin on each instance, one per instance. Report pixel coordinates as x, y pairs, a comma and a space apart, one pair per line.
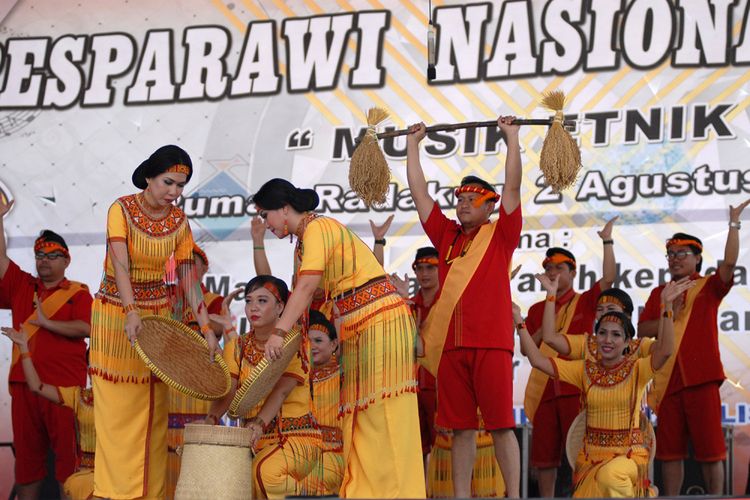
698, 359
482, 317
551, 424
471, 378
693, 413
426, 383
582, 322
38, 425
59, 360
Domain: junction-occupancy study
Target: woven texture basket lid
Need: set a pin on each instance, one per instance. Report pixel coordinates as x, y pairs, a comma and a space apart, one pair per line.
264, 376
577, 433
179, 357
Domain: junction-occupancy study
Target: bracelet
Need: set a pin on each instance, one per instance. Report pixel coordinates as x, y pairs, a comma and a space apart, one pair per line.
280, 332
608, 242
205, 329
258, 247
381, 241
258, 420
521, 326
668, 314
735, 225
25, 355
551, 298
229, 331
130, 308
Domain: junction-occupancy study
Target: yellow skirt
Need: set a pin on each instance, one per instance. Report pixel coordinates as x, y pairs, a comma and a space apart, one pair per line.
79, 485
611, 472
289, 468
131, 439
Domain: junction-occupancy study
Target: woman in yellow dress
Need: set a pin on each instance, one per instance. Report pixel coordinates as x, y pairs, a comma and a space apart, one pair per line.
285, 437
380, 424
326, 380
613, 460
80, 484
143, 231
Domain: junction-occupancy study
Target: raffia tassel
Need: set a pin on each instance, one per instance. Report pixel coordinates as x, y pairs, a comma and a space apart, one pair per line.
560, 159
369, 174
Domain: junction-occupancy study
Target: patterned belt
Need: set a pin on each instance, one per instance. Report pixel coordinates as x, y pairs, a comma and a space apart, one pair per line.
613, 437
87, 460
288, 424
142, 292
331, 434
178, 420
360, 296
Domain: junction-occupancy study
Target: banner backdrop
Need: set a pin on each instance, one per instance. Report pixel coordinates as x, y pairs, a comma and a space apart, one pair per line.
255, 90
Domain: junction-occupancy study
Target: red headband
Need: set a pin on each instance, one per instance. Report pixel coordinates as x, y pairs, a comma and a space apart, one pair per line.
274, 290
198, 251
49, 247
425, 260
684, 243
486, 194
558, 258
179, 169
610, 299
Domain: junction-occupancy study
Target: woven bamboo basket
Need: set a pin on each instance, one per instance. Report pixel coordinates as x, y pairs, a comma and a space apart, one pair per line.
216, 464
264, 376
179, 357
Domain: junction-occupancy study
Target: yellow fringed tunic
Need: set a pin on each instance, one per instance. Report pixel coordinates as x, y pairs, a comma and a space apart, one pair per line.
326, 381
80, 485
288, 454
613, 461
131, 409
382, 447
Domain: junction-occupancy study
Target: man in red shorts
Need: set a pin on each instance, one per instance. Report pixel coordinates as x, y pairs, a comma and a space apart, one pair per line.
686, 390
468, 334
552, 405
56, 314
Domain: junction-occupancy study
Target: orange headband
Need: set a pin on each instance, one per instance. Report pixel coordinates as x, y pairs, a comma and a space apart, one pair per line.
274, 291
610, 299
611, 319
49, 247
425, 260
558, 258
198, 251
486, 194
684, 243
319, 327
179, 169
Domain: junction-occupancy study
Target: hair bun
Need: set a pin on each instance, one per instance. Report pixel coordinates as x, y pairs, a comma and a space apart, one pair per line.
305, 200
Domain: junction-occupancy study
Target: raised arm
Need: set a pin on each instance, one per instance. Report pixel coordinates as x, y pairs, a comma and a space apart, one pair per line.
379, 232
550, 335
511, 195
29, 371
732, 246
4, 260
73, 329
260, 259
414, 174
664, 345
609, 264
528, 347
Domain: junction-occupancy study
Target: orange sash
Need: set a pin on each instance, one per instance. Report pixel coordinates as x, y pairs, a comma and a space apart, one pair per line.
663, 374
50, 306
435, 327
538, 379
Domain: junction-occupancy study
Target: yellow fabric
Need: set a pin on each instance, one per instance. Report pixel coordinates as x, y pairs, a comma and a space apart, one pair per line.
326, 400
661, 380
434, 329
538, 379
131, 444
612, 401
380, 446
486, 479
333, 250
79, 485
80, 400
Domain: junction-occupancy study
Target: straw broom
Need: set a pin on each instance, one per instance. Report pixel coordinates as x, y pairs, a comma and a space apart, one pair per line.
560, 160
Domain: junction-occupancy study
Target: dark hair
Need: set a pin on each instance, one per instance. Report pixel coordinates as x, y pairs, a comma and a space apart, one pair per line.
47, 235
697, 250
620, 295
159, 162
318, 318
278, 193
473, 179
263, 279
623, 318
426, 252
555, 250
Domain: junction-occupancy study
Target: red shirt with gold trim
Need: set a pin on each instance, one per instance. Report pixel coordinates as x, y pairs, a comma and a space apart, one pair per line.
482, 317
59, 360
698, 359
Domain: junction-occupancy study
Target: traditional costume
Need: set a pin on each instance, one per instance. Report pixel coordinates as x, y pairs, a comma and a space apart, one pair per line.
39, 424
326, 382
376, 337
426, 383
288, 453
80, 485
131, 409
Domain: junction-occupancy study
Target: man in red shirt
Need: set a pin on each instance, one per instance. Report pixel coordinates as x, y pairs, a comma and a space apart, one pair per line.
552, 405
468, 334
685, 395
55, 313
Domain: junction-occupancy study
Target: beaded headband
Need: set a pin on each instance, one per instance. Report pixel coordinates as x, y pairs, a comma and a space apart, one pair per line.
179, 169
49, 247
684, 243
486, 194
